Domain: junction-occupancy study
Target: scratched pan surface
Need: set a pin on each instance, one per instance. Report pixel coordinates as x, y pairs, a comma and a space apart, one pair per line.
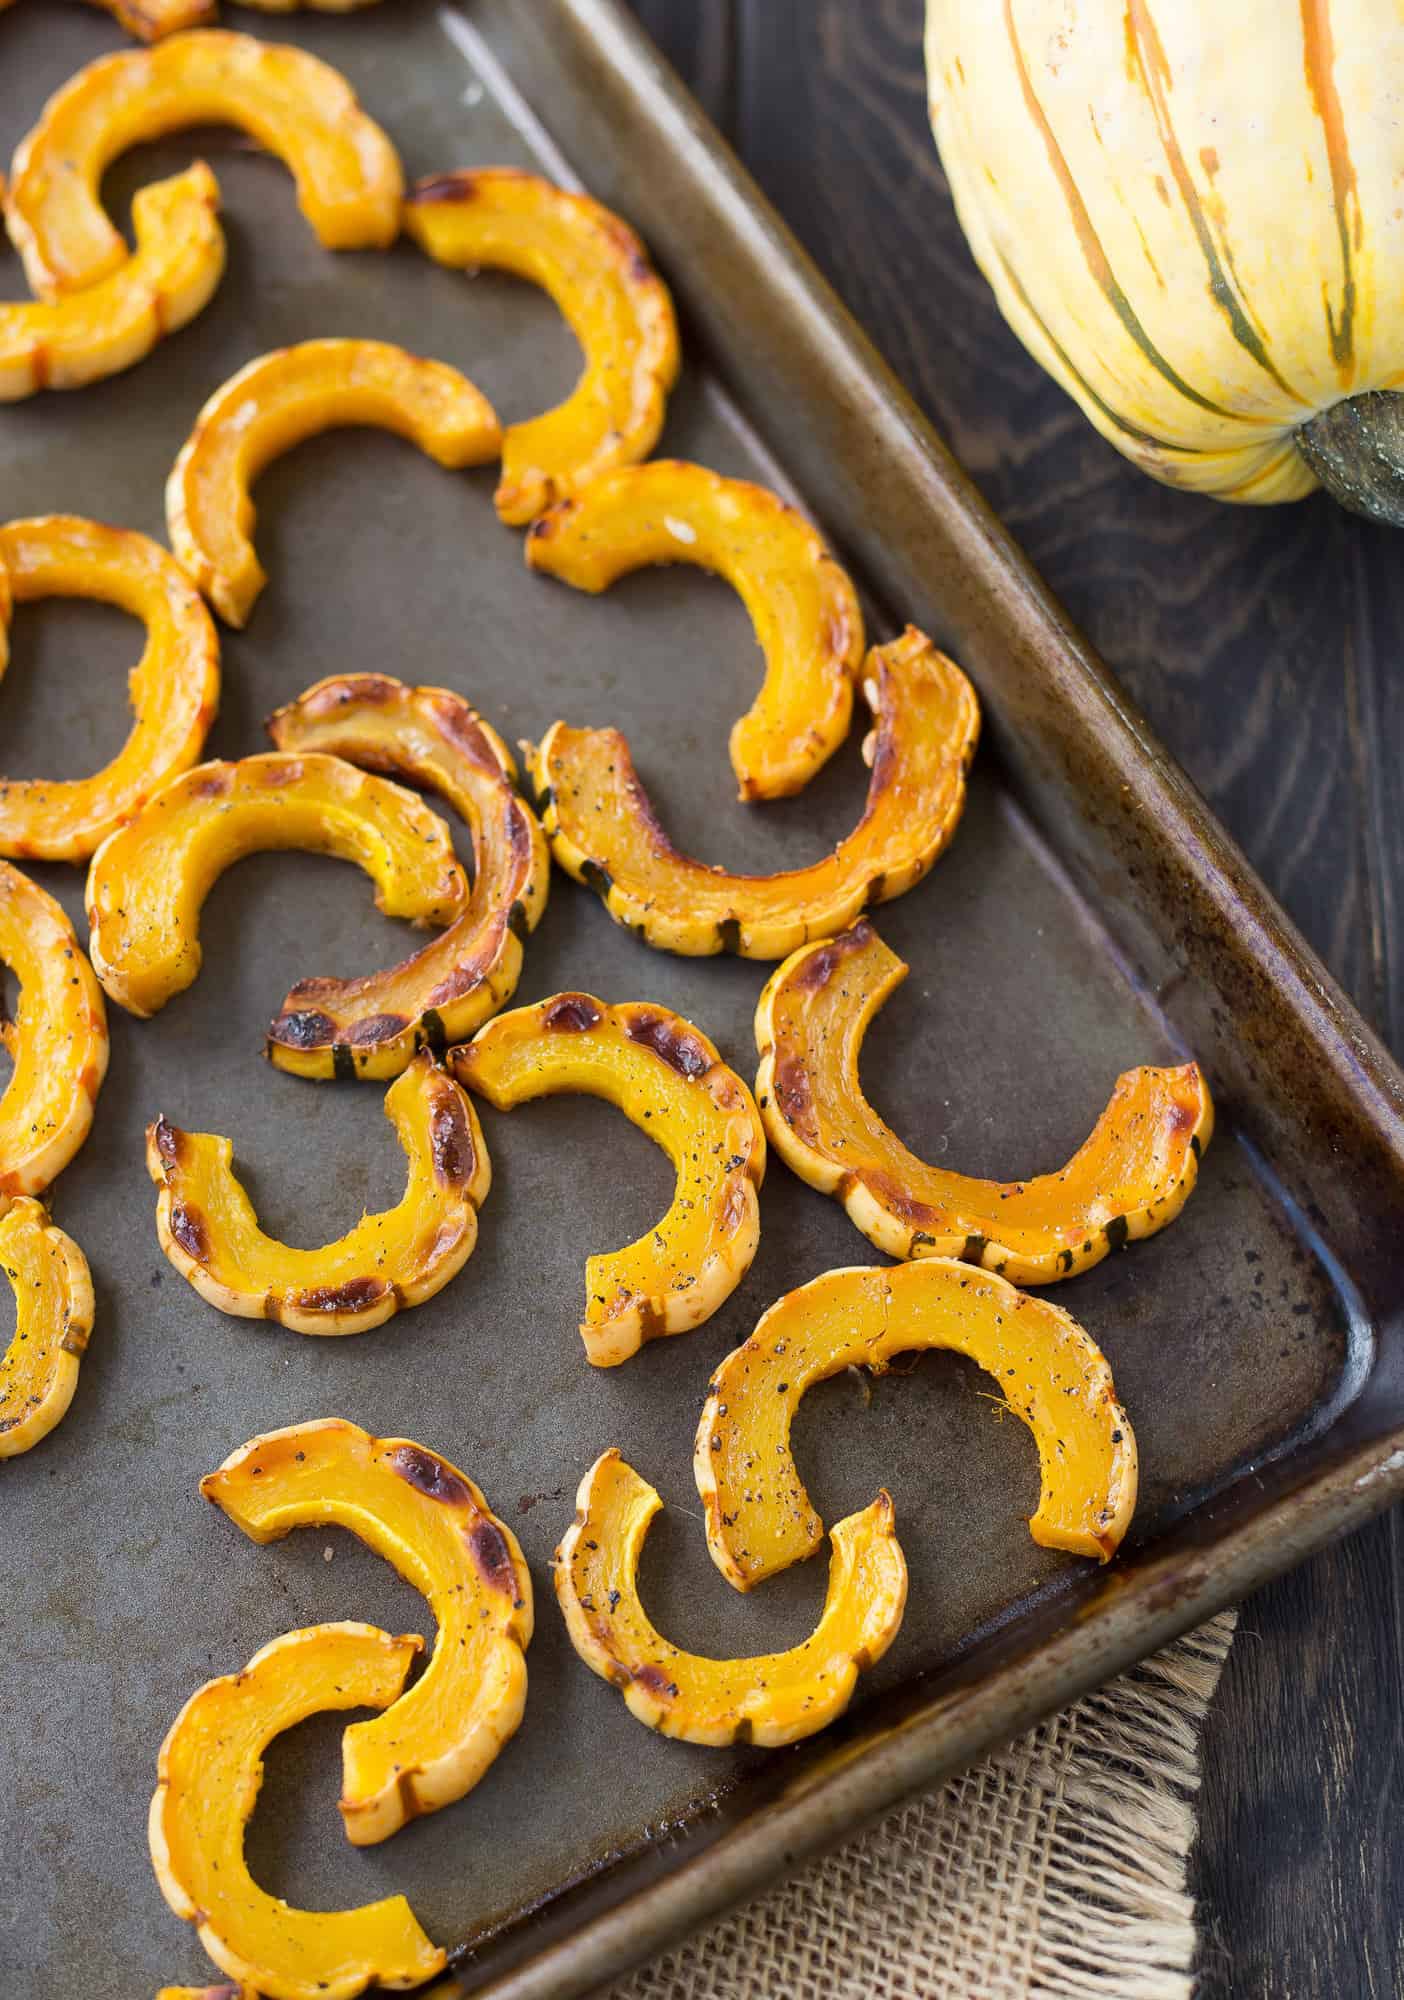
1252, 1356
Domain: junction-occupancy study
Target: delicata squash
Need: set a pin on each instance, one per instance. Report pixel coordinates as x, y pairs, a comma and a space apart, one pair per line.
397, 1257
169, 278
665, 1076
149, 879
597, 271
805, 610
208, 1779
57, 1039
280, 400
349, 184
1050, 1372
174, 688
430, 1521
603, 829
372, 1026
773, 1699
1130, 1178
53, 1291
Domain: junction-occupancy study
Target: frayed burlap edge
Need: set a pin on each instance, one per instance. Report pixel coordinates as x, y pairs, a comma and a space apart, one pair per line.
1055, 1870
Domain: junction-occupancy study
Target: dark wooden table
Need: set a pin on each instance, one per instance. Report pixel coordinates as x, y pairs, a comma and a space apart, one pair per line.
1267, 647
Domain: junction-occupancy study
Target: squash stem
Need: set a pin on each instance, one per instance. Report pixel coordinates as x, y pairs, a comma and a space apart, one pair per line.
1356, 450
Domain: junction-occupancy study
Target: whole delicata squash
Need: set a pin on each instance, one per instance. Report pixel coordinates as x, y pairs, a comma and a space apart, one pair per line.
597, 271
349, 184
53, 1291
174, 689
1130, 1178
1189, 214
149, 878
397, 1257
772, 1699
802, 604
431, 1522
372, 1026
603, 829
57, 1039
282, 399
169, 278
1051, 1374
665, 1076
208, 1779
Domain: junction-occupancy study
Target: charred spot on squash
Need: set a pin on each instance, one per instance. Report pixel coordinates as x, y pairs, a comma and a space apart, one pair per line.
672, 1044
188, 1227
451, 1142
353, 1295
573, 1014
430, 1475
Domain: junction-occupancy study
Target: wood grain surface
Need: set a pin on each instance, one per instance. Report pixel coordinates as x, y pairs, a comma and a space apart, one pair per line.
1267, 647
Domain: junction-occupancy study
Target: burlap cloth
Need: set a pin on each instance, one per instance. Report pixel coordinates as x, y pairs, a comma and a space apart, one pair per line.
1055, 1870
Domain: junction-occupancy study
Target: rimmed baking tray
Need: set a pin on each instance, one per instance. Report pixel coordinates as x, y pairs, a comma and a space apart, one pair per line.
1089, 915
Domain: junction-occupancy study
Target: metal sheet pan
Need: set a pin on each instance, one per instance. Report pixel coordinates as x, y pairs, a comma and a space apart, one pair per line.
1089, 915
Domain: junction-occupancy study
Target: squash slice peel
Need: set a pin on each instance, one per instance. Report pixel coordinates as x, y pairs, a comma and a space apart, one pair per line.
433, 1525
149, 879
53, 1318
805, 611
208, 1778
395, 1257
174, 689
1050, 1372
280, 400
1129, 1179
666, 1077
597, 271
371, 1027
773, 1699
603, 829
349, 183
57, 1039
168, 279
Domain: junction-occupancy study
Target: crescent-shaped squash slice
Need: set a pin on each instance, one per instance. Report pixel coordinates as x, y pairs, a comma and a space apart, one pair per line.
430, 1521
397, 1257
349, 184
57, 1039
149, 878
53, 1291
1132, 1176
603, 829
612, 299
772, 1699
208, 1778
169, 278
174, 688
665, 1075
372, 1026
1050, 1373
802, 604
280, 400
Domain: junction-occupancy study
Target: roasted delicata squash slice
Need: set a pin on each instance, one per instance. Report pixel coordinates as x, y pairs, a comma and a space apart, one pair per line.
430, 1521
1131, 1177
397, 1257
603, 829
1051, 1374
169, 278
349, 184
665, 1076
53, 1291
372, 1026
208, 1779
804, 609
57, 1039
772, 1699
149, 878
597, 271
279, 401
174, 688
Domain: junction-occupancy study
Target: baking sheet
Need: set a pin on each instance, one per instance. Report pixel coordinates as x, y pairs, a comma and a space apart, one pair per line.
1232, 1336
